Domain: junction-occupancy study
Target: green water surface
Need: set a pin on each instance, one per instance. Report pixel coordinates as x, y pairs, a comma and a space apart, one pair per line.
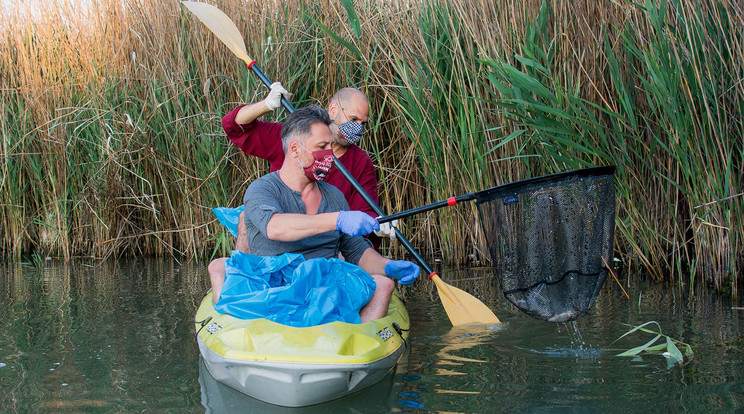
119, 337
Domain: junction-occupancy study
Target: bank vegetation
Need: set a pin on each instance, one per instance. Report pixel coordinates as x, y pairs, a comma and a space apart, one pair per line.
112, 145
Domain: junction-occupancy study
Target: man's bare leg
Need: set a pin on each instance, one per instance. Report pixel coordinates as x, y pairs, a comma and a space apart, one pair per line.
216, 270
242, 242
377, 307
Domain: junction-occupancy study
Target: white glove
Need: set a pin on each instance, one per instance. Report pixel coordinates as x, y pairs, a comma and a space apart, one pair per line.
274, 99
388, 229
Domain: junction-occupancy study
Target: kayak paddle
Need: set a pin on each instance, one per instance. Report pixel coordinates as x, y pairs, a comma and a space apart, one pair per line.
461, 307
225, 30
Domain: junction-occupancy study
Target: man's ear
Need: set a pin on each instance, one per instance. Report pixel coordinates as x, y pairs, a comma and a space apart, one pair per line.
294, 149
332, 110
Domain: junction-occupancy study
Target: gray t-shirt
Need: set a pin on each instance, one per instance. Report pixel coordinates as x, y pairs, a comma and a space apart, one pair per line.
269, 195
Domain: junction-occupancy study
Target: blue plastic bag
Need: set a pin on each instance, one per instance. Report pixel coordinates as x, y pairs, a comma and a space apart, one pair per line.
229, 217
290, 290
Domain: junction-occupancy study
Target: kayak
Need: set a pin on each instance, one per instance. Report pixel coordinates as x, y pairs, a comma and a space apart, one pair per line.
295, 367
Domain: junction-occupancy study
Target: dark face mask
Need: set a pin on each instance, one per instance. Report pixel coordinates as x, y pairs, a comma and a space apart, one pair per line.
351, 131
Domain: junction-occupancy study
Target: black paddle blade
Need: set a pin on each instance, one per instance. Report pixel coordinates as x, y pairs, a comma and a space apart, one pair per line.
549, 239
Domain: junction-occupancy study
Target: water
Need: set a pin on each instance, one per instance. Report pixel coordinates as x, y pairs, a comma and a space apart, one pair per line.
118, 337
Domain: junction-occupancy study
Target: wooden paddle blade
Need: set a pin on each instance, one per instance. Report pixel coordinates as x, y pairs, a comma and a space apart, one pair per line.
221, 25
463, 308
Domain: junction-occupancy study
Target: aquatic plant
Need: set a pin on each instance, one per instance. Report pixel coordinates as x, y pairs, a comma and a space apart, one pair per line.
35, 261
669, 348
652, 113
112, 145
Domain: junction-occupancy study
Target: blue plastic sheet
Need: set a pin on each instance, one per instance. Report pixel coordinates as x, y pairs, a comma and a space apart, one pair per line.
290, 290
229, 217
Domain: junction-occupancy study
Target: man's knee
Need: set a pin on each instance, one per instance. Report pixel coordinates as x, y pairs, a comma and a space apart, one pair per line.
216, 271
216, 268
384, 284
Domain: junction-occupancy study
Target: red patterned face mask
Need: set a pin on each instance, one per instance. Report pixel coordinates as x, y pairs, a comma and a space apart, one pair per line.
321, 165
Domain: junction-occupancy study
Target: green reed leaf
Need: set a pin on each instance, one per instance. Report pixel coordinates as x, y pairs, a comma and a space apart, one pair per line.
637, 350
673, 350
657, 348
503, 141
348, 45
688, 351
353, 17
640, 327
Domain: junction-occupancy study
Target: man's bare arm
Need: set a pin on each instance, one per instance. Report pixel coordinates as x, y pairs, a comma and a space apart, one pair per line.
293, 227
251, 112
372, 262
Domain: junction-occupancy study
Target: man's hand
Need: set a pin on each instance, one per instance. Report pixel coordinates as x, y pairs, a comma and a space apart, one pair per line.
356, 223
403, 270
274, 99
388, 230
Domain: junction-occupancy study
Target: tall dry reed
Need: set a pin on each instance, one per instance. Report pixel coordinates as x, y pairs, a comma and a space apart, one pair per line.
112, 145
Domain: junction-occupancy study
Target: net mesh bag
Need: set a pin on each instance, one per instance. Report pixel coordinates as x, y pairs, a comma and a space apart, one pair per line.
550, 240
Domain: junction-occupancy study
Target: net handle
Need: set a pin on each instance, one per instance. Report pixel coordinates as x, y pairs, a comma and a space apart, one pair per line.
433, 206
489, 192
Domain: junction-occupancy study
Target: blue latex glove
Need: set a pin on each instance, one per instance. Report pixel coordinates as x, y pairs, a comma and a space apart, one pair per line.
403, 270
356, 223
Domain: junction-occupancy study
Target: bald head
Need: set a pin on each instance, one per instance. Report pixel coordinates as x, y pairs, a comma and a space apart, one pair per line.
349, 96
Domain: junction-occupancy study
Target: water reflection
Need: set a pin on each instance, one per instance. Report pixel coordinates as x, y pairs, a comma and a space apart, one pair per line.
533, 365
97, 336
119, 337
460, 339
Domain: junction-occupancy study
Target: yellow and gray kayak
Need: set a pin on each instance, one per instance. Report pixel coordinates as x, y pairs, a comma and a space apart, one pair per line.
295, 367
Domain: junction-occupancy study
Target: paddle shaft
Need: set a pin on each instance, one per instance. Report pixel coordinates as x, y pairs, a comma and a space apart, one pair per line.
266, 81
358, 187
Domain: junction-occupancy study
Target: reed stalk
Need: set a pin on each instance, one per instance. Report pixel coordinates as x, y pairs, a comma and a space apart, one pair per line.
112, 143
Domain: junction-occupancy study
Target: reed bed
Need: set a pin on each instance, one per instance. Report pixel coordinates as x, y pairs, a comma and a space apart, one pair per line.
112, 145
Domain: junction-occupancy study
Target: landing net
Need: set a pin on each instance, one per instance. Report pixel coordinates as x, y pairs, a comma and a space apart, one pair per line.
550, 239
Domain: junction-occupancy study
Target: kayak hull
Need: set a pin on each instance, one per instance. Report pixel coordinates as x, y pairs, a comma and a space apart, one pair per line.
296, 367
